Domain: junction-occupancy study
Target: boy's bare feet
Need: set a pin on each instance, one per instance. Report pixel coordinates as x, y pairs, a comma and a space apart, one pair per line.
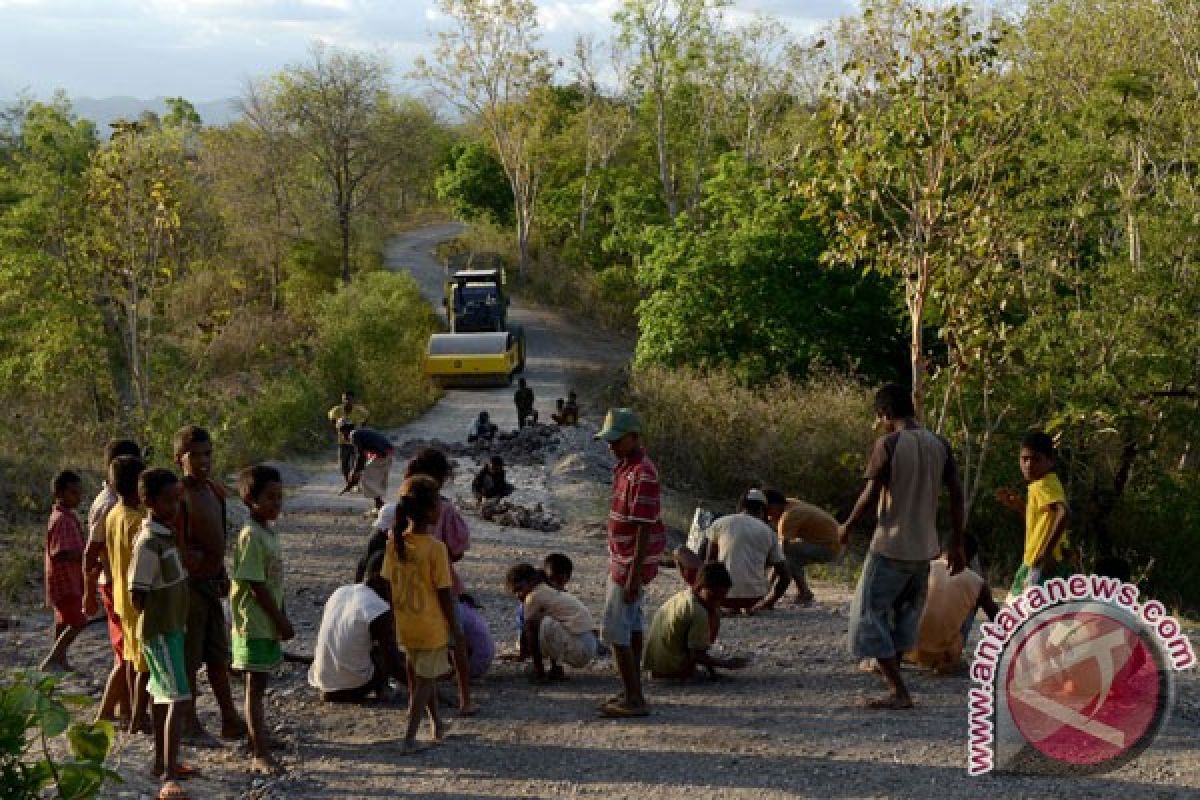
264, 765
623, 709
891, 702
411, 747
468, 710
440, 729
233, 730
55, 666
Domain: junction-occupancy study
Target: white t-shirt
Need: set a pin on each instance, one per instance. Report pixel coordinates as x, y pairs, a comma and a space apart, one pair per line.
342, 659
105, 502
745, 545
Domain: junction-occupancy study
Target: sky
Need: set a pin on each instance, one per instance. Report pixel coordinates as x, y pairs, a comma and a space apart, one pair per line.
206, 49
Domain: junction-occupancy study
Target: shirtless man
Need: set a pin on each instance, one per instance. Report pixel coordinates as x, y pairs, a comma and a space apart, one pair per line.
200, 528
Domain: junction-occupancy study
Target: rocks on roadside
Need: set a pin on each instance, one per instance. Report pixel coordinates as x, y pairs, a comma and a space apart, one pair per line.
503, 512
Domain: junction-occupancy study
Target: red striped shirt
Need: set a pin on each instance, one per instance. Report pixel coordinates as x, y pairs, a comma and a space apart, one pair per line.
635, 502
64, 579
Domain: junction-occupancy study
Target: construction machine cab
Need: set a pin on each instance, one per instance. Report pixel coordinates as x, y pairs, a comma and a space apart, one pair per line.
475, 301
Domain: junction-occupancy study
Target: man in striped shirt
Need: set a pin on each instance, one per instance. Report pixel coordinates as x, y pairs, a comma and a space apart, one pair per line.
636, 539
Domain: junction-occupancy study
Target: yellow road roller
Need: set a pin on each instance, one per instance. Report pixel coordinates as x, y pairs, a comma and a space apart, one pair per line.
475, 359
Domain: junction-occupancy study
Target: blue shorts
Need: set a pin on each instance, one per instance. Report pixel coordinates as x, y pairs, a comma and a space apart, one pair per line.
621, 619
886, 611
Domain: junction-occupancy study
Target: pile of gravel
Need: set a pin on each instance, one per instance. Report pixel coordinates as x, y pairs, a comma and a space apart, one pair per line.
529, 446
514, 515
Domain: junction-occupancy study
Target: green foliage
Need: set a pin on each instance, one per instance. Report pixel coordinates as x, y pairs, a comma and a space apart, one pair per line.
32, 713
371, 337
474, 185
743, 289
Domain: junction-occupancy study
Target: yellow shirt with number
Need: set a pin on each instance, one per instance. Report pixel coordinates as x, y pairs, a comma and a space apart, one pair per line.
420, 623
1044, 493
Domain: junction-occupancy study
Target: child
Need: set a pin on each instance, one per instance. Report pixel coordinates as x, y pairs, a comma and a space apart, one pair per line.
159, 591
678, 639
490, 483
1046, 513
418, 568
556, 571
121, 528
201, 529
64, 568
259, 621
97, 579
558, 627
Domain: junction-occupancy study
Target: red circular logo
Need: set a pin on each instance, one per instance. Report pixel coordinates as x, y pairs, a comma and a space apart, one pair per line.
1083, 688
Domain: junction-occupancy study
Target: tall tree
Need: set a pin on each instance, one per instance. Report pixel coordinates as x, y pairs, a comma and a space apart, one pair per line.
339, 111
489, 64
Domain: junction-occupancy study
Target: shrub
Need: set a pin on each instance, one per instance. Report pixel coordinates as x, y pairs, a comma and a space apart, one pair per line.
711, 435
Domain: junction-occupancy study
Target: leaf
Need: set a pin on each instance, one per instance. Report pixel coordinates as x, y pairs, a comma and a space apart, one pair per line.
52, 716
91, 741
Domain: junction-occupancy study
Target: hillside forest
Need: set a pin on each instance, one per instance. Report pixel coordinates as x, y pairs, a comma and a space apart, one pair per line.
1000, 209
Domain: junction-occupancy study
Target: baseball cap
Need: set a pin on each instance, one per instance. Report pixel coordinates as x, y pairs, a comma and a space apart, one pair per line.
617, 423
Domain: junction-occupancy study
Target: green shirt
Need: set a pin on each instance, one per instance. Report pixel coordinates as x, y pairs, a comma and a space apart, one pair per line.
157, 570
257, 558
680, 625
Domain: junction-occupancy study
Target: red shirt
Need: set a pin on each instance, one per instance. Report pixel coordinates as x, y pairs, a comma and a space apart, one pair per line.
635, 502
64, 534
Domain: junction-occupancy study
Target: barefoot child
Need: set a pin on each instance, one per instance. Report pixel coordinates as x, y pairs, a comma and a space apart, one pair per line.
259, 621
418, 569
1046, 514
201, 529
64, 568
121, 529
558, 627
679, 634
97, 579
159, 590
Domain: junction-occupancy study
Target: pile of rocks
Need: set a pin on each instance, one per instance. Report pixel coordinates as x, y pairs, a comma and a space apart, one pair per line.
526, 447
514, 515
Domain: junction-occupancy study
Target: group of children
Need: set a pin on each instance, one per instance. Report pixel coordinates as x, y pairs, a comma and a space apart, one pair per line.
155, 557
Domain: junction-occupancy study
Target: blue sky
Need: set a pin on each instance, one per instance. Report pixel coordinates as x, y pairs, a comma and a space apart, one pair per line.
204, 49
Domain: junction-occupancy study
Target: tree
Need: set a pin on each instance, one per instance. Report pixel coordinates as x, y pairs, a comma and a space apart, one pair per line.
912, 154
339, 112
490, 66
474, 184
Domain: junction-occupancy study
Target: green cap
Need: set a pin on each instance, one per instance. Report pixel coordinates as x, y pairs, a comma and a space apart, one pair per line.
617, 423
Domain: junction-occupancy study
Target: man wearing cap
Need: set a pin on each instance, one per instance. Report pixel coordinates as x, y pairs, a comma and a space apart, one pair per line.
636, 538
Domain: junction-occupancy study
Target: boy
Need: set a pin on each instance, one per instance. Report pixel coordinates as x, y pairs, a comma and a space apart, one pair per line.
678, 639
121, 528
97, 579
523, 399
908, 467
259, 621
808, 535
201, 529
556, 571
355, 413
491, 483
1046, 513
159, 591
64, 568
356, 648
482, 430
557, 626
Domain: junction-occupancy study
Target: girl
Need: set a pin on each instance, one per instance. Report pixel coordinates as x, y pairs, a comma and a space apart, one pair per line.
418, 568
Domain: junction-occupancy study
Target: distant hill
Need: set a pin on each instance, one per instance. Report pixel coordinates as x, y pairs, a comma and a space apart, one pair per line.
104, 110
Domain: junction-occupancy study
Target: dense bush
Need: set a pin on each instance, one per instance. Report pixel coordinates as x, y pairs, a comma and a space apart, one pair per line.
710, 434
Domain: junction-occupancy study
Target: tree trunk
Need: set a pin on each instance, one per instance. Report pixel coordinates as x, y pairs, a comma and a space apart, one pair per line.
664, 166
344, 226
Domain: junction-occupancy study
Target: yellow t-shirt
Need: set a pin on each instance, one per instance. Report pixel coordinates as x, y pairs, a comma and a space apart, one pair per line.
1039, 519
420, 624
357, 414
121, 528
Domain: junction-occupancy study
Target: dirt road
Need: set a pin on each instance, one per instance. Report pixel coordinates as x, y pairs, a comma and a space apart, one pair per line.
789, 726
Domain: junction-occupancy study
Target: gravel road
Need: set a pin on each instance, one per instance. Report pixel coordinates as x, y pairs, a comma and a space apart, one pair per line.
787, 727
